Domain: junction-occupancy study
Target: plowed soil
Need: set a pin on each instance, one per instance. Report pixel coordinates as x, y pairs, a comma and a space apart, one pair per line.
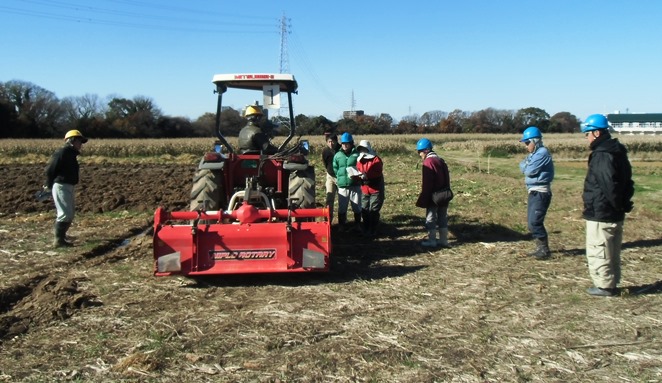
104, 191
102, 188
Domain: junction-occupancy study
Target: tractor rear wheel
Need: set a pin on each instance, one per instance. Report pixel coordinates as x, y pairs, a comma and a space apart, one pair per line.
207, 191
302, 187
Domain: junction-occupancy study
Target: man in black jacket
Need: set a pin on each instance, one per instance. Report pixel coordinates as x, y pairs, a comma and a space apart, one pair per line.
61, 176
331, 184
608, 190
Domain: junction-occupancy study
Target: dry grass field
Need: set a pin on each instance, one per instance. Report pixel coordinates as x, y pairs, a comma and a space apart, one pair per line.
389, 311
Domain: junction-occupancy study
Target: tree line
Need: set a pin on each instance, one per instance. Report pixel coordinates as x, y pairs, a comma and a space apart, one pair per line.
30, 111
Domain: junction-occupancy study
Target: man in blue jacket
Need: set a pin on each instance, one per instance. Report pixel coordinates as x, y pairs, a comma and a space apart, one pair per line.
607, 196
538, 169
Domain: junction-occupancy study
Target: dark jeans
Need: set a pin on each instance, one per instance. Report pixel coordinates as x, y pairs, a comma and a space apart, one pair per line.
372, 202
536, 212
436, 217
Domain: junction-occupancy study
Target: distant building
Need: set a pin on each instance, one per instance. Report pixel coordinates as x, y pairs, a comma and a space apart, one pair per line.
352, 114
631, 123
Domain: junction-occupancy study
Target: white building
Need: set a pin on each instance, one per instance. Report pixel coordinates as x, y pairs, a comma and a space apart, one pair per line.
352, 114
630, 123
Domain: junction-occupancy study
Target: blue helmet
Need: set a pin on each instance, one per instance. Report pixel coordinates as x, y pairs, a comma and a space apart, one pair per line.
346, 138
595, 122
423, 144
531, 132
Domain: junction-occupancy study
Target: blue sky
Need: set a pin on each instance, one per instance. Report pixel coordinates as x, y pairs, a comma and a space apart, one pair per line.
401, 57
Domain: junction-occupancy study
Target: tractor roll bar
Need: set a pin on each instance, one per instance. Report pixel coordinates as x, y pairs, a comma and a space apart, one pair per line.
292, 123
220, 89
286, 83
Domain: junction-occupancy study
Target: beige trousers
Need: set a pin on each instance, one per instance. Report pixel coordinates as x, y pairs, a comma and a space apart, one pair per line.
603, 253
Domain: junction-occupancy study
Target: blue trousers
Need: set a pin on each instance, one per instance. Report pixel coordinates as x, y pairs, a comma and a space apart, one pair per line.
436, 217
538, 204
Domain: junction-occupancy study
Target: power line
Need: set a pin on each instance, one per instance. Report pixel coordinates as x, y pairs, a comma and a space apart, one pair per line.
299, 54
67, 11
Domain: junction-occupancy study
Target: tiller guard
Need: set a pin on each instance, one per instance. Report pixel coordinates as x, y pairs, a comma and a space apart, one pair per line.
244, 241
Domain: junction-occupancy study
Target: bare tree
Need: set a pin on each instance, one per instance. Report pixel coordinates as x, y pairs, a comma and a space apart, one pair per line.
37, 110
412, 118
432, 118
455, 122
87, 106
81, 110
492, 120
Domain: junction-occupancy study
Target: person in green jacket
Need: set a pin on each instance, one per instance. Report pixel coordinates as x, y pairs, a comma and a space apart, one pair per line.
349, 184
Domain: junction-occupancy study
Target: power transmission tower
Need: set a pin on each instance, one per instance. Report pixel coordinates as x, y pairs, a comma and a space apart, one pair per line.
285, 27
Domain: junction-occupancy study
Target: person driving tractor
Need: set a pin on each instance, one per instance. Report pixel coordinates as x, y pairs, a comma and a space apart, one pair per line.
253, 138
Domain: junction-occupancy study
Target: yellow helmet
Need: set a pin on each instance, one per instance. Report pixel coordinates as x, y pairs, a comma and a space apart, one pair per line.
75, 133
252, 110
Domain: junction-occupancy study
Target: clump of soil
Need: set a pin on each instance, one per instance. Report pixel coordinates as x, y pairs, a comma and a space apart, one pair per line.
41, 300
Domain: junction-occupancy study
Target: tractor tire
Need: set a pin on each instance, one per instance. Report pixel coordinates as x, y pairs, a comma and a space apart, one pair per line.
207, 190
302, 187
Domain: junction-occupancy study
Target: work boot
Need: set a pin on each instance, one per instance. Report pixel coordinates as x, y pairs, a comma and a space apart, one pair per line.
357, 223
443, 238
342, 222
366, 221
329, 202
60, 230
432, 239
600, 292
536, 243
374, 223
542, 249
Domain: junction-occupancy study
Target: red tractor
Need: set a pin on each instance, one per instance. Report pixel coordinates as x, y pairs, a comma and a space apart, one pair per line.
250, 212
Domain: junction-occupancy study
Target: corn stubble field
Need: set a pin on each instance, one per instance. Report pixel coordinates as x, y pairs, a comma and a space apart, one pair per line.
389, 311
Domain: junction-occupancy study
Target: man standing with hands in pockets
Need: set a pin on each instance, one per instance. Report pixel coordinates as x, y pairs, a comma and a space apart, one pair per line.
607, 196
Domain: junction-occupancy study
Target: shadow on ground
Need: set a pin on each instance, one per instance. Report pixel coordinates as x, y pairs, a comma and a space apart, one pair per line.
653, 288
642, 243
464, 232
356, 257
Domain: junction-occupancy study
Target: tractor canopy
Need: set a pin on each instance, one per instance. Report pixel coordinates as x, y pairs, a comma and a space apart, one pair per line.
270, 84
